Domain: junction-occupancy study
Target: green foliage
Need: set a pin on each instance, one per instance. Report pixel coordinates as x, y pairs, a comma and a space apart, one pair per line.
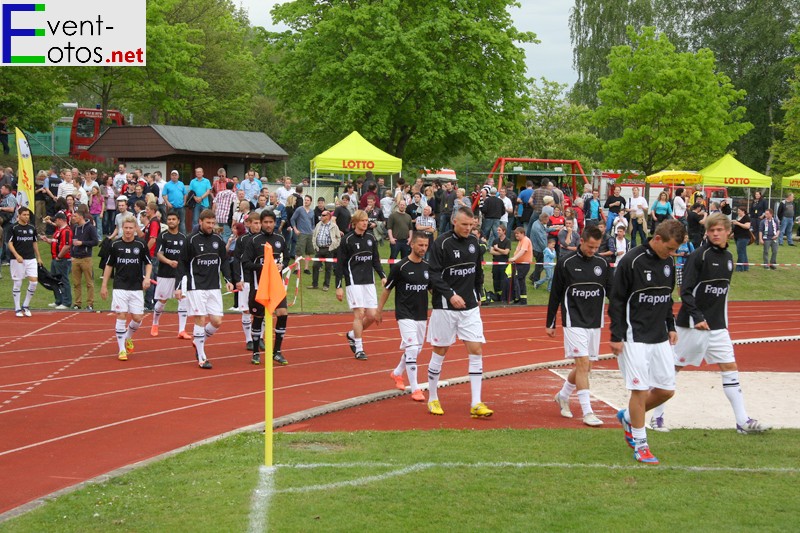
554, 128
786, 150
30, 96
422, 80
660, 108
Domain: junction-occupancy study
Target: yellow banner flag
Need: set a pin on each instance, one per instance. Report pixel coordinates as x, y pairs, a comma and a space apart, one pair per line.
25, 175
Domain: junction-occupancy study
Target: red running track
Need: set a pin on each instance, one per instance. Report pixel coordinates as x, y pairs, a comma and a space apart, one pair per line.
69, 411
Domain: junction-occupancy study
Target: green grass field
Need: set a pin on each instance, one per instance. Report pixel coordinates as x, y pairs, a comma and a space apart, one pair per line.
757, 284
494, 480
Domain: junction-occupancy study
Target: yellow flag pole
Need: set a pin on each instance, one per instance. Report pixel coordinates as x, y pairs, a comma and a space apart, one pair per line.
268, 411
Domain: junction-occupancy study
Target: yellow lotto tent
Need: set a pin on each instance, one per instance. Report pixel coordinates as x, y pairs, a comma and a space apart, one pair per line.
792, 182
354, 155
728, 172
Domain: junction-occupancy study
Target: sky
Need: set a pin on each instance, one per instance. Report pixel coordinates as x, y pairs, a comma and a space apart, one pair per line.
548, 19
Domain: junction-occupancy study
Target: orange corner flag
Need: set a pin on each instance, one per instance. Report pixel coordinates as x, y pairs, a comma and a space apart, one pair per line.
271, 290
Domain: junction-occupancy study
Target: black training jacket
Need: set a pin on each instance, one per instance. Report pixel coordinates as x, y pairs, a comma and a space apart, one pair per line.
580, 286
704, 292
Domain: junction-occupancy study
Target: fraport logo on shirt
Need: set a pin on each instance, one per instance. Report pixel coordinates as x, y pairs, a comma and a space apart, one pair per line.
75, 33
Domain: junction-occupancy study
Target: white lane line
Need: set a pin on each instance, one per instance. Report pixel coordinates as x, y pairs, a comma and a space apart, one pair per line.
259, 508
358, 481
125, 421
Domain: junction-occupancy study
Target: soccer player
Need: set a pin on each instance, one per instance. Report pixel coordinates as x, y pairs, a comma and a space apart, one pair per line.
643, 328
129, 259
203, 258
357, 257
241, 280
702, 322
169, 247
411, 277
581, 282
25, 260
252, 263
457, 280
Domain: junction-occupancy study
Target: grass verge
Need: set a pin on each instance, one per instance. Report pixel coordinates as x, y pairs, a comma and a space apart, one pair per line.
502, 480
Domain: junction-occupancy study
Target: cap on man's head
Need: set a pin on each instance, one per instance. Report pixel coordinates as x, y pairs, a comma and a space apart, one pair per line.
174, 172
60, 216
122, 198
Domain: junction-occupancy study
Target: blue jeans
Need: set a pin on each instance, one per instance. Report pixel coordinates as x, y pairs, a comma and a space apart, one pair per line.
108, 221
444, 222
786, 229
198, 208
637, 228
226, 232
489, 230
741, 254
63, 293
400, 247
610, 223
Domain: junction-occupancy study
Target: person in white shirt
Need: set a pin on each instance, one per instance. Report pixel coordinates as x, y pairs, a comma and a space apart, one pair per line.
638, 209
67, 186
507, 204
679, 206
286, 191
120, 179
90, 181
387, 204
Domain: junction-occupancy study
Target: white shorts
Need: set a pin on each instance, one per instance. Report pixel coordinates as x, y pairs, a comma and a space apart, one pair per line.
412, 332
582, 342
165, 289
362, 296
244, 298
446, 324
29, 268
123, 301
695, 346
646, 366
204, 303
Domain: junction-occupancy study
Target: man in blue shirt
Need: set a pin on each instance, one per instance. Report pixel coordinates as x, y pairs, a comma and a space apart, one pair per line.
251, 188
174, 194
201, 188
303, 226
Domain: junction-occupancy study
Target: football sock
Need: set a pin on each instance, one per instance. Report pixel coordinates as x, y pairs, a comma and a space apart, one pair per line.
658, 411
627, 416
639, 437
246, 325
434, 369
121, 330
199, 340
411, 366
15, 292
730, 384
401, 366
182, 306
132, 327
210, 329
359, 345
586, 403
29, 294
566, 390
255, 333
157, 310
280, 331
475, 377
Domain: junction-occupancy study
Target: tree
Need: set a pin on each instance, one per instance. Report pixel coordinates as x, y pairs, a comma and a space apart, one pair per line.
786, 150
751, 41
30, 96
554, 128
422, 80
596, 26
660, 108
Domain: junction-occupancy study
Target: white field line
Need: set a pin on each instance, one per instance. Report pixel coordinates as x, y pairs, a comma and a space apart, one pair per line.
501, 465
259, 508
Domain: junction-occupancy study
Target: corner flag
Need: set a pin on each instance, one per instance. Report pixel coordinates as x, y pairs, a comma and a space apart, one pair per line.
269, 294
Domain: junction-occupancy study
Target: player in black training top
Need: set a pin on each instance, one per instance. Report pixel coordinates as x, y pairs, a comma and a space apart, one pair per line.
643, 328
169, 247
129, 259
411, 277
702, 322
241, 280
357, 257
457, 280
26, 260
252, 263
581, 283
204, 257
